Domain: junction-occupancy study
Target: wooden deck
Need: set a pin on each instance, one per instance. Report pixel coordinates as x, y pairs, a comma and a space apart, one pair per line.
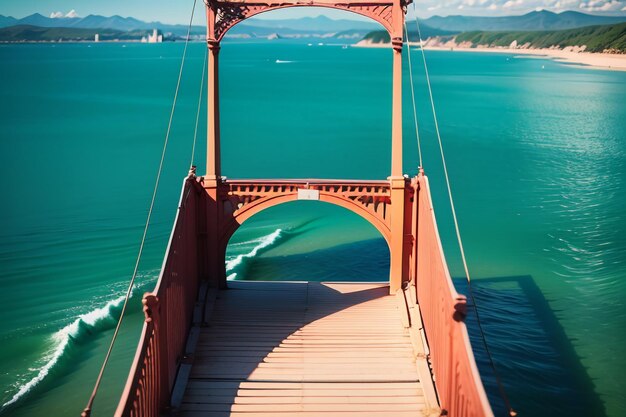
305, 349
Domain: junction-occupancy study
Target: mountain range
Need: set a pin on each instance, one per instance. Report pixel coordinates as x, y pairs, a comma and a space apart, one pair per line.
125, 24
537, 20
258, 27
321, 26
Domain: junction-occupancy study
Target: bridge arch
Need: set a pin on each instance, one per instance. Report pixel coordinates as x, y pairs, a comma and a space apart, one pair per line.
239, 219
244, 199
225, 16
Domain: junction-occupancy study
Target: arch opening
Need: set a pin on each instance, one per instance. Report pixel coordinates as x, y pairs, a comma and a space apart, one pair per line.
307, 241
283, 107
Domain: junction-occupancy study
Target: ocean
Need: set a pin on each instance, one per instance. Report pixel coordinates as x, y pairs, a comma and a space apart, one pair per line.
537, 157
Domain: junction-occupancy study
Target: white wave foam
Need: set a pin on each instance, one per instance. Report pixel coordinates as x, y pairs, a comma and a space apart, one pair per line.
61, 340
263, 242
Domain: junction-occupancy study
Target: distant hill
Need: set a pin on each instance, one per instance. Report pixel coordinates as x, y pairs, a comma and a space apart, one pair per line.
382, 36
609, 38
123, 24
7, 21
29, 33
320, 25
538, 20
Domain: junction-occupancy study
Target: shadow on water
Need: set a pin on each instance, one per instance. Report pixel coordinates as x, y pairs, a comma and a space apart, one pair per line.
542, 373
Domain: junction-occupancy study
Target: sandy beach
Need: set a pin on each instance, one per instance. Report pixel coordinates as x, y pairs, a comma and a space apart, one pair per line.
613, 62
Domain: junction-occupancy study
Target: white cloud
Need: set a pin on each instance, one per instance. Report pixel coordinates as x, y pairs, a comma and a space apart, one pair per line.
509, 7
513, 4
57, 15
601, 6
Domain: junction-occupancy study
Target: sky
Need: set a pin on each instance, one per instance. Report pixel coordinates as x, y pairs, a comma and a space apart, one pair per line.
178, 11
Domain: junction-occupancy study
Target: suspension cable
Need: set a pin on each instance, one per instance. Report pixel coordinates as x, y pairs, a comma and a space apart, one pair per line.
88, 408
200, 96
417, 134
503, 394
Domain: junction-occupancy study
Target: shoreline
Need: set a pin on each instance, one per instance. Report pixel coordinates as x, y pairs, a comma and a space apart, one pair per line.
593, 60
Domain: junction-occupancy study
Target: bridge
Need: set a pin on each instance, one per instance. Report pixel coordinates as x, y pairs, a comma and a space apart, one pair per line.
212, 347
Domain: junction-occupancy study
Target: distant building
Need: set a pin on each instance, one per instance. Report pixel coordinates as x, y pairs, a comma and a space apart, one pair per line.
154, 38
96, 38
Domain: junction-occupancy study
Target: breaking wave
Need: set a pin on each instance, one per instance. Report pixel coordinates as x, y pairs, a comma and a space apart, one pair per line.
85, 324
259, 244
106, 316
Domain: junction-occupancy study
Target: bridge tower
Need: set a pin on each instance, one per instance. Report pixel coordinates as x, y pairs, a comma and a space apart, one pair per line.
385, 204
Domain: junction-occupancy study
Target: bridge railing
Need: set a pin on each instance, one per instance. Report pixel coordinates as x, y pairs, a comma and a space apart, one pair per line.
168, 314
459, 387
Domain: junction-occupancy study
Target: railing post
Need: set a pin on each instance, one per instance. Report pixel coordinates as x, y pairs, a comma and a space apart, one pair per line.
152, 309
397, 248
415, 208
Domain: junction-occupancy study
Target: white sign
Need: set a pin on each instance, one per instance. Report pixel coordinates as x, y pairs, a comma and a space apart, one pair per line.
305, 194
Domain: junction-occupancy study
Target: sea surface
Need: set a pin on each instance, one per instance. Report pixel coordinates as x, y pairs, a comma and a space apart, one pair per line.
537, 157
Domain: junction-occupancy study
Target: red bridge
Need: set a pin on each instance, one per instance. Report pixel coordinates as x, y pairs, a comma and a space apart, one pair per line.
211, 347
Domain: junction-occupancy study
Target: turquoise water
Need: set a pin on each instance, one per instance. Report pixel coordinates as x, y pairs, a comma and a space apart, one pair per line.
537, 158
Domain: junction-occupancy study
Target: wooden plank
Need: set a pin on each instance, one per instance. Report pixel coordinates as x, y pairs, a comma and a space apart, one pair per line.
194, 413
299, 377
206, 298
236, 392
270, 349
261, 385
305, 349
315, 407
264, 400
315, 358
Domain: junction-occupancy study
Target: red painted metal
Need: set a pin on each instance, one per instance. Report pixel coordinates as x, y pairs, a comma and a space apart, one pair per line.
223, 15
168, 312
212, 209
381, 203
169, 308
241, 199
456, 376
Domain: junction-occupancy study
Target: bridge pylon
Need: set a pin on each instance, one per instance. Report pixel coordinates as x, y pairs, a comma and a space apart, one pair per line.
385, 204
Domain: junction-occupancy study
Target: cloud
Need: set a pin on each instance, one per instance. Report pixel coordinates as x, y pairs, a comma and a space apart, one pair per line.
513, 4
57, 15
601, 6
497, 7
